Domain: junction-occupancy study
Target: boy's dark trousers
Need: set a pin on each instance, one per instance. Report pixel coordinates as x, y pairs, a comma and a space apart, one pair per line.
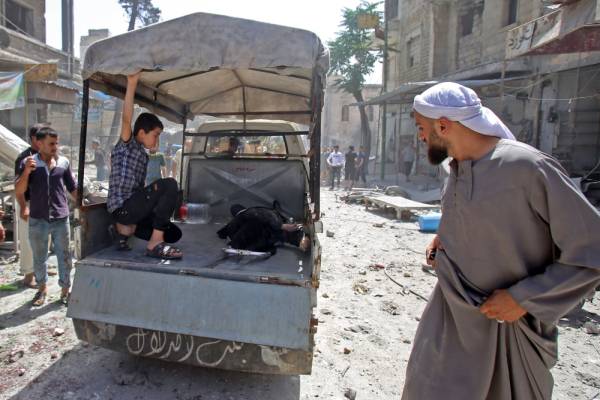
156, 202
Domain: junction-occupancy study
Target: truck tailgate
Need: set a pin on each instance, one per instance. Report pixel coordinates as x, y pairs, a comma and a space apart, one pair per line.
249, 312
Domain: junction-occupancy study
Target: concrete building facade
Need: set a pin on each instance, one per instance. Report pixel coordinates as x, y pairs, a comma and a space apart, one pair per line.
548, 100
341, 123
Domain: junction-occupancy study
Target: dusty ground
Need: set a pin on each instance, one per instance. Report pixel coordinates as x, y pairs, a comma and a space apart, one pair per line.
361, 312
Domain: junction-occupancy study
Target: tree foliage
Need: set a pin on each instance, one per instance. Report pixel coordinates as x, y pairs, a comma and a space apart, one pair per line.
142, 11
353, 57
351, 52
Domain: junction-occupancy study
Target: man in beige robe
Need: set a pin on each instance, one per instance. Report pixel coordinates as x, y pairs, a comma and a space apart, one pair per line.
518, 247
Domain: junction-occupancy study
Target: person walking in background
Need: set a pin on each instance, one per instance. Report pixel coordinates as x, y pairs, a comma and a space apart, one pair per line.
99, 161
324, 167
361, 165
408, 158
157, 166
350, 168
335, 160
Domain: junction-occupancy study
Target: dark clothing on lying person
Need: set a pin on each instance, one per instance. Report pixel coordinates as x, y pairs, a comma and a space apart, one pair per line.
258, 229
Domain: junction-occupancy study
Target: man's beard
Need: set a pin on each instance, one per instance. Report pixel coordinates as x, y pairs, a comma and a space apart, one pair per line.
437, 152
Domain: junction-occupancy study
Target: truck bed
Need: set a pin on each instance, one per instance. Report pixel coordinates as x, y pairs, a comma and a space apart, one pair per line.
203, 256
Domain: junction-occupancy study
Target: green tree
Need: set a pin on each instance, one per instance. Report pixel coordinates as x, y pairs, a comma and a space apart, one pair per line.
353, 58
140, 10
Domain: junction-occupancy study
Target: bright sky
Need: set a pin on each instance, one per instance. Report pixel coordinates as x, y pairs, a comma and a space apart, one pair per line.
319, 16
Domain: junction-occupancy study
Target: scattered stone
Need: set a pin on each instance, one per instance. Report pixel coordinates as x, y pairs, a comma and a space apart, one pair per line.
350, 394
376, 267
379, 224
407, 274
360, 288
347, 350
362, 272
58, 332
591, 328
21, 371
417, 319
406, 341
326, 311
589, 379
358, 329
390, 307
330, 234
53, 356
15, 355
325, 295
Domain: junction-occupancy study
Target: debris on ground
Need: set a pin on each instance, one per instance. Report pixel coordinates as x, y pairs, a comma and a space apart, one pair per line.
360, 288
58, 332
591, 328
350, 394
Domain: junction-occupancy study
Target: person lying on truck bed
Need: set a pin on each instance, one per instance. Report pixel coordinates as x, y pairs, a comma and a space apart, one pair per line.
262, 229
129, 201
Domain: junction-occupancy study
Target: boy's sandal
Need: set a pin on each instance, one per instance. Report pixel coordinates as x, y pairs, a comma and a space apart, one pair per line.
64, 299
164, 252
123, 244
39, 299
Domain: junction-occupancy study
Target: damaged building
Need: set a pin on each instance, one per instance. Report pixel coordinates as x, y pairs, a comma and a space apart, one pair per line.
534, 63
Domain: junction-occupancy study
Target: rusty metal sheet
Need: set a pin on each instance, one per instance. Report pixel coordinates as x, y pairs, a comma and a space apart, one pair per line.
265, 314
572, 28
194, 350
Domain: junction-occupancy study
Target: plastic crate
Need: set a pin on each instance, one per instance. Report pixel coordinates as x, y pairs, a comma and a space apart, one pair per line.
430, 222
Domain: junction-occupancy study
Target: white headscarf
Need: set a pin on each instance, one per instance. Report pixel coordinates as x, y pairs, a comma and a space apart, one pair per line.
461, 104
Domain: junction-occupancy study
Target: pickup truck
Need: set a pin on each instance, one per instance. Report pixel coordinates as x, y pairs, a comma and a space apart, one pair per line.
212, 309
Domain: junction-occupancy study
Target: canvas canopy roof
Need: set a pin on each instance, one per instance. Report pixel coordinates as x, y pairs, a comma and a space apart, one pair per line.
215, 65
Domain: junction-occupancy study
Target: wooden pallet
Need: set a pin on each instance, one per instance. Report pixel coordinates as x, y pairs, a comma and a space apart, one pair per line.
402, 206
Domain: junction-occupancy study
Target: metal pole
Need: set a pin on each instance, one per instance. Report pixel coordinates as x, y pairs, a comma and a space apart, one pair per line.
85, 102
26, 107
385, 78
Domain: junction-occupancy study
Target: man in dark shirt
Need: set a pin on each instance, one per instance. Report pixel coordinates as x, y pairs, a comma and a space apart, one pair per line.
48, 178
361, 165
99, 160
129, 201
25, 256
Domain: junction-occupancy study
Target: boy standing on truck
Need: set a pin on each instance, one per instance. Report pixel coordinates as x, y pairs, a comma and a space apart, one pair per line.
129, 201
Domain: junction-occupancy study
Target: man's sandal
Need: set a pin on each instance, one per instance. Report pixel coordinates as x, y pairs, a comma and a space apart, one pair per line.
164, 252
64, 299
39, 299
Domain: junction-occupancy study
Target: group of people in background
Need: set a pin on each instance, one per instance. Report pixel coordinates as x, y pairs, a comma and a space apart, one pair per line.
353, 164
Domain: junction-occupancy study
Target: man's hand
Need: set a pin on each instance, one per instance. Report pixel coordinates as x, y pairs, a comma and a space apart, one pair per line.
291, 227
502, 307
434, 246
29, 165
25, 213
